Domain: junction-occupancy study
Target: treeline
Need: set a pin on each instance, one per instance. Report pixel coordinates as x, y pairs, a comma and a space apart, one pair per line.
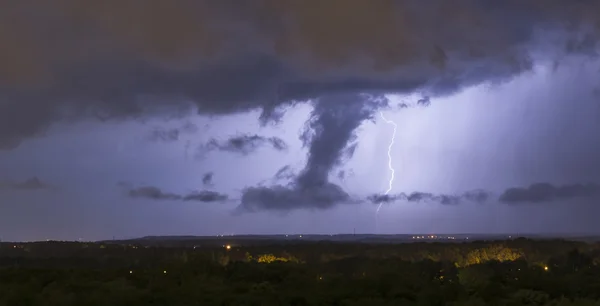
516, 272
535, 252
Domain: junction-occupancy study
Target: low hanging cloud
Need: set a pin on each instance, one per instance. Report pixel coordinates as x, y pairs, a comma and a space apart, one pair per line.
206, 196
33, 183
474, 196
327, 134
242, 144
155, 193
535, 193
284, 198
546, 192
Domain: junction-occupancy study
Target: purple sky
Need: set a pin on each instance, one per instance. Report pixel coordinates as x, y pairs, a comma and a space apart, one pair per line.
161, 124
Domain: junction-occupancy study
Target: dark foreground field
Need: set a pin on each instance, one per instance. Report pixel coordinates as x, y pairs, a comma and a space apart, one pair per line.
299, 272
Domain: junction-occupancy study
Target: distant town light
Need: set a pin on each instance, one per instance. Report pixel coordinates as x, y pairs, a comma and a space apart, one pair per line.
545, 268
130, 272
228, 247
165, 271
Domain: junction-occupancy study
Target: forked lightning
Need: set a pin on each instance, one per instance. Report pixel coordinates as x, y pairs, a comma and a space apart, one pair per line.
390, 164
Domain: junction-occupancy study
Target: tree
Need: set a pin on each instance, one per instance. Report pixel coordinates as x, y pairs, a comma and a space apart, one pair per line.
475, 277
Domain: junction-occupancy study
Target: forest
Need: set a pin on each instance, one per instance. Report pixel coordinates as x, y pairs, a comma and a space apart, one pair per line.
509, 272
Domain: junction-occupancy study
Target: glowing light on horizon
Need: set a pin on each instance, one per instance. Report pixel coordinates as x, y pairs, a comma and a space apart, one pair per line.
390, 164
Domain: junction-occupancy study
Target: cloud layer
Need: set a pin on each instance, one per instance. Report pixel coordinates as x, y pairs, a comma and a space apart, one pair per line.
285, 198
242, 144
545, 192
119, 60
535, 193
475, 196
155, 193
122, 59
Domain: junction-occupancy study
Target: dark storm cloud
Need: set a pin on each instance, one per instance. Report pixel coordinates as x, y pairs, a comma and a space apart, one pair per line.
242, 144
329, 131
207, 179
33, 183
285, 198
155, 193
327, 135
475, 196
535, 193
116, 60
545, 192
122, 59
206, 196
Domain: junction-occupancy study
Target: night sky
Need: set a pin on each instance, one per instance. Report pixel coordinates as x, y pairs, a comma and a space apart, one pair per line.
148, 117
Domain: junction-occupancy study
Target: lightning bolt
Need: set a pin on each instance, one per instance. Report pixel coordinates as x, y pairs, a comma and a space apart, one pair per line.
390, 165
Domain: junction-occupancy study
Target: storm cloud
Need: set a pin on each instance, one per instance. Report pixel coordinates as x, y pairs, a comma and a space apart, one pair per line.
285, 198
474, 196
155, 193
83, 84
242, 144
206, 196
131, 59
328, 135
126, 59
546, 192
535, 193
